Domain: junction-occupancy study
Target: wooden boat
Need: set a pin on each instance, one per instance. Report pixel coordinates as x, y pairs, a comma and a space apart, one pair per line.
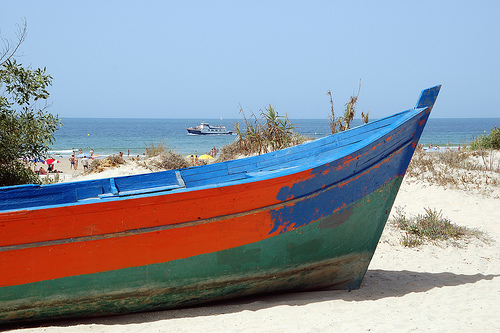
302, 218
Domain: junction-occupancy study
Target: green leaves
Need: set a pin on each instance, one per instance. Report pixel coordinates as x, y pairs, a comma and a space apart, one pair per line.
269, 133
26, 130
430, 226
491, 141
24, 85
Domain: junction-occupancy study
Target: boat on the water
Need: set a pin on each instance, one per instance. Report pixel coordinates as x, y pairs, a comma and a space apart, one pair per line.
307, 217
206, 128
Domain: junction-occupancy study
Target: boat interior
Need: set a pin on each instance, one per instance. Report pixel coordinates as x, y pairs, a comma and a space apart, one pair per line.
283, 162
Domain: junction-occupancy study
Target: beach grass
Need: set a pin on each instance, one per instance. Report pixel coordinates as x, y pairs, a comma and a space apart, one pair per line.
430, 226
156, 148
465, 170
269, 133
343, 122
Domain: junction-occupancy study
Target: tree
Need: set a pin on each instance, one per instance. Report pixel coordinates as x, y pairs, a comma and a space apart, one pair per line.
26, 128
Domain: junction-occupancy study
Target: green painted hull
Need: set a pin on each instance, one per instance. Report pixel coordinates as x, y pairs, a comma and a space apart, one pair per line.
333, 252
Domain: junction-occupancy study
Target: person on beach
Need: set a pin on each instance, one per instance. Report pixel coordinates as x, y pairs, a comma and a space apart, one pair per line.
194, 159
213, 152
91, 152
72, 162
42, 171
85, 162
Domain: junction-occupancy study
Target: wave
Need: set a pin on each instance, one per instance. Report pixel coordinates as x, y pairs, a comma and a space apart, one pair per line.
65, 152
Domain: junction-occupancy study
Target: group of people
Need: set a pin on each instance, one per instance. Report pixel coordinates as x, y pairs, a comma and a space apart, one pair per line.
50, 169
73, 160
437, 148
213, 152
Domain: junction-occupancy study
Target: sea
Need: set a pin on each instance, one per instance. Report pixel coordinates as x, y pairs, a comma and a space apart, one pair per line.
132, 136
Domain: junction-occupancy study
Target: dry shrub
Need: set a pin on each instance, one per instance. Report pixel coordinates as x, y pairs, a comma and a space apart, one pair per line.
454, 169
156, 148
343, 122
453, 158
229, 152
99, 165
420, 163
167, 161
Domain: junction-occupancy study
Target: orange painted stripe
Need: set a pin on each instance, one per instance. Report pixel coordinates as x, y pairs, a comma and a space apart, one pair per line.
117, 216
93, 256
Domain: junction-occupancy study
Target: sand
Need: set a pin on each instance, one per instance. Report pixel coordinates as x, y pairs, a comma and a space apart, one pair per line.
69, 174
64, 166
437, 288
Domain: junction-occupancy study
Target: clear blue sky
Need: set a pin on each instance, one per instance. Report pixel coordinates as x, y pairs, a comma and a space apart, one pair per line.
201, 59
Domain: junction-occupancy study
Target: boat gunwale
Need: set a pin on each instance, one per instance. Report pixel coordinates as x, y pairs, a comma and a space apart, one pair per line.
302, 164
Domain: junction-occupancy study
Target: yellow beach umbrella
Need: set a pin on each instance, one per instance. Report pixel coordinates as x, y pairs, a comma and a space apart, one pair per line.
205, 157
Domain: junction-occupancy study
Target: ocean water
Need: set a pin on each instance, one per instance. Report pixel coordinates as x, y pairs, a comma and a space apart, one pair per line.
113, 135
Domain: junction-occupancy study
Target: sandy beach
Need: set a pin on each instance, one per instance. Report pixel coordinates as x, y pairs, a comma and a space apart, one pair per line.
436, 287
67, 173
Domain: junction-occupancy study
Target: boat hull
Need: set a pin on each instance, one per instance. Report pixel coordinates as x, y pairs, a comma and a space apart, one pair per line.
333, 252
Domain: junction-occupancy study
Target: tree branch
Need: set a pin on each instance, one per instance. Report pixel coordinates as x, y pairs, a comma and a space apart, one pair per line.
8, 51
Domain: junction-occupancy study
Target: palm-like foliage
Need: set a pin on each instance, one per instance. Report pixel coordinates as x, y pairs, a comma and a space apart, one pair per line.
344, 122
269, 133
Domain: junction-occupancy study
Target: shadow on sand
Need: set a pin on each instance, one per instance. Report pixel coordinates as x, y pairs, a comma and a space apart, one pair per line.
377, 284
